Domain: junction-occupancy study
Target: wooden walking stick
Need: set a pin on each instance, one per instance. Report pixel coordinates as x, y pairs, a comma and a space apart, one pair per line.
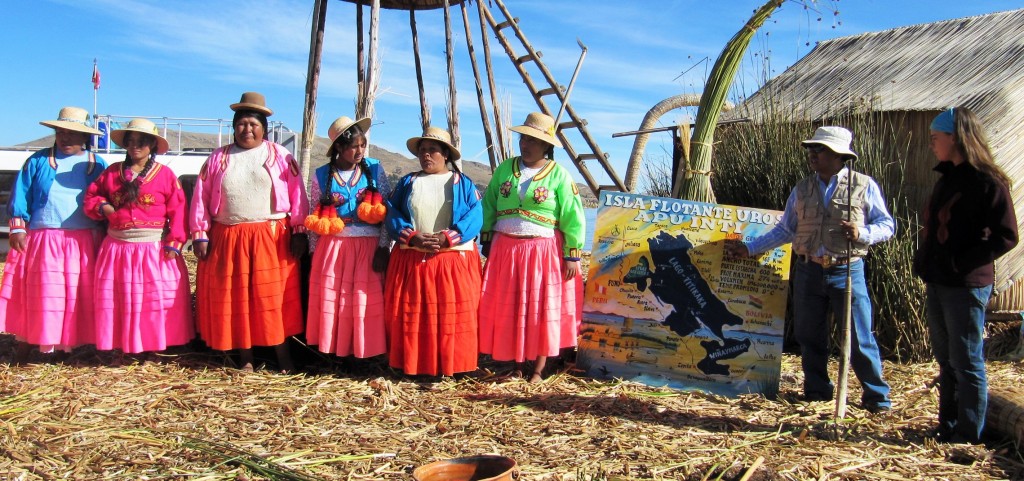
844, 360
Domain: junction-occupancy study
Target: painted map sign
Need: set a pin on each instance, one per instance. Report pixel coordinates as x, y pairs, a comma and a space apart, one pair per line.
666, 306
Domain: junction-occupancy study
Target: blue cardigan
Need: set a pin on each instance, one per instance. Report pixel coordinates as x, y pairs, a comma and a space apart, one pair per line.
467, 212
350, 203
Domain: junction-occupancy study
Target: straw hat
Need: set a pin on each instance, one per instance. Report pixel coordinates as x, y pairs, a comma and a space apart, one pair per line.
539, 126
837, 139
253, 101
438, 135
342, 124
72, 118
144, 126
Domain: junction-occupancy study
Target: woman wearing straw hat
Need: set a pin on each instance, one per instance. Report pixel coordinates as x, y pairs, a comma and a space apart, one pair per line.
432, 288
246, 219
142, 299
47, 292
533, 218
969, 222
350, 249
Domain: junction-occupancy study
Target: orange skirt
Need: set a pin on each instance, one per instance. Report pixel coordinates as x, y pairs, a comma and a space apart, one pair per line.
247, 288
431, 303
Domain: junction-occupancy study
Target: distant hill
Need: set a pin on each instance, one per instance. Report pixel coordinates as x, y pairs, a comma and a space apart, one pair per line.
396, 164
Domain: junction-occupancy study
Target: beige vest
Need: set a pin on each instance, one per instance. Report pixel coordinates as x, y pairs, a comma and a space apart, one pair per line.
818, 223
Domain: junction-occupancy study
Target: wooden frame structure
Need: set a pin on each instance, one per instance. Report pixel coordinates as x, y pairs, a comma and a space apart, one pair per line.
497, 144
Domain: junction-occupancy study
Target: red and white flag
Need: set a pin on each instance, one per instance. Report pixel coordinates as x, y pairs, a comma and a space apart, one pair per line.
95, 75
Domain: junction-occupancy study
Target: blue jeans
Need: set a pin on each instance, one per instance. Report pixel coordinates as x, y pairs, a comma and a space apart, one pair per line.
956, 323
815, 288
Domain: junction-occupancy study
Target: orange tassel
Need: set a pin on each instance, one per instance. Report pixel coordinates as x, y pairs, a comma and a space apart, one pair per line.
337, 225
323, 226
380, 211
310, 221
363, 211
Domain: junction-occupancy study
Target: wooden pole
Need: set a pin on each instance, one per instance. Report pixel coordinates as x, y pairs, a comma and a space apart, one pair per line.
479, 89
316, 47
844, 360
371, 62
501, 147
424, 109
453, 103
360, 59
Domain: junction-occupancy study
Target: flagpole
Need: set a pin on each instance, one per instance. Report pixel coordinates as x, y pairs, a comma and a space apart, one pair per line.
95, 96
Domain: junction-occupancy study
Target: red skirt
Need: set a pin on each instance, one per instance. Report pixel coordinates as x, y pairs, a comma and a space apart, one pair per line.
431, 303
527, 309
247, 288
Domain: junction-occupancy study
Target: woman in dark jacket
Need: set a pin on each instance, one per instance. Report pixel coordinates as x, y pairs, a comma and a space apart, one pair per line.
968, 223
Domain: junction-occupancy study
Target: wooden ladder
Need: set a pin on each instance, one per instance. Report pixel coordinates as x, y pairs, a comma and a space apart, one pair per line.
573, 121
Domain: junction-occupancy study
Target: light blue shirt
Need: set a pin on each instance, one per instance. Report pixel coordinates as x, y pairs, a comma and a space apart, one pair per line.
63, 206
879, 225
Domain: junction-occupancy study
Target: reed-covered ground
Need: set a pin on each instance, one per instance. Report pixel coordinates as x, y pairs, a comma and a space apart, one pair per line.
189, 415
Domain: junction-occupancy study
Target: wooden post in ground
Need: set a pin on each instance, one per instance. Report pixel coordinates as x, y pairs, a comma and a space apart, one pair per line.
479, 89
424, 109
453, 103
316, 46
501, 147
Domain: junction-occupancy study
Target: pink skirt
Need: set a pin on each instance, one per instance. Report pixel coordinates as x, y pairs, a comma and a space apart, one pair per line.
142, 299
47, 294
346, 298
527, 309
432, 304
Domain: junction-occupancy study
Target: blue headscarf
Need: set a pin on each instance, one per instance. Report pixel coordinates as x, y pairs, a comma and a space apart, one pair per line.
944, 122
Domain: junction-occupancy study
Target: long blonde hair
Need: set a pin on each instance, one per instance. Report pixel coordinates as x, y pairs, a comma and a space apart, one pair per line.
971, 142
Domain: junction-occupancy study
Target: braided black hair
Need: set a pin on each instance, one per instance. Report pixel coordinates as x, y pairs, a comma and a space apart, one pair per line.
130, 188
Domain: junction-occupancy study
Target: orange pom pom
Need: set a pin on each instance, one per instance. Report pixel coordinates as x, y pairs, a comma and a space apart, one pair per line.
363, 211
323, 226
337, 225
378, 199
379, 211
311, 221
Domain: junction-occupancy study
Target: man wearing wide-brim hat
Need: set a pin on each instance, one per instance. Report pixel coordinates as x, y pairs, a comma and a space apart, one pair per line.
832, 217
51, 233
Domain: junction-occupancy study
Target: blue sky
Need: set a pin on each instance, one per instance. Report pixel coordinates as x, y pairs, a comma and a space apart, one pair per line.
192, 58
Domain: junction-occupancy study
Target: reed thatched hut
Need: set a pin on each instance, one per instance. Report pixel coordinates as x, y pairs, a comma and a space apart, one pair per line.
910, 74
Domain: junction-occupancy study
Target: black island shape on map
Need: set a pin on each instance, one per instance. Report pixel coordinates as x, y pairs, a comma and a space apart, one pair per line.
677, 282
731, 349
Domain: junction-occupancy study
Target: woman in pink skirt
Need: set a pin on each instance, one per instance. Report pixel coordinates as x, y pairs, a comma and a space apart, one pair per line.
350, 250
142, 300
532, 301
46, 299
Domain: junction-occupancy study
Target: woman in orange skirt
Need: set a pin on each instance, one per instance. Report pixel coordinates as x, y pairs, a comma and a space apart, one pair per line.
432, 287
247, 215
